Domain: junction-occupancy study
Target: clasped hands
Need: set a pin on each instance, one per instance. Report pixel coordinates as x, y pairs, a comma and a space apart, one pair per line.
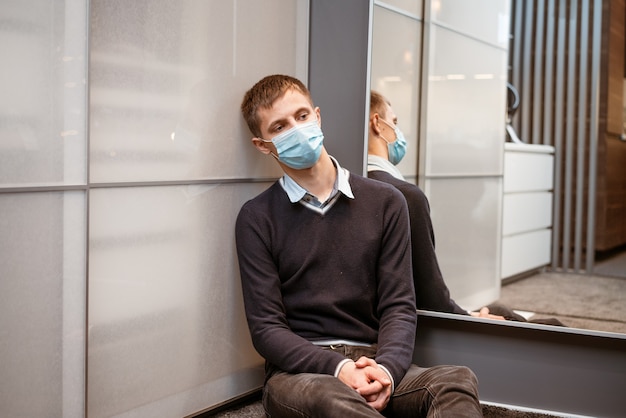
369, 380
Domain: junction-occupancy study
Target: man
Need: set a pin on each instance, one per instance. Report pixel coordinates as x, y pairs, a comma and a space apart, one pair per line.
324, 257
386, 147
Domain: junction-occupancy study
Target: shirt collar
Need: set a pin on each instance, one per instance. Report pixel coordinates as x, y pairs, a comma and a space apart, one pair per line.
376, 163
297, 192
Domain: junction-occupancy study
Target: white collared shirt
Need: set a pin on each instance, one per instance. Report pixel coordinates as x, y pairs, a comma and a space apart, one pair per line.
376, 163
299, 194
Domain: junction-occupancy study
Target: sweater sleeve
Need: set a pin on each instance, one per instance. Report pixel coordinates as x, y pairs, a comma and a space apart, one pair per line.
265, 311
431, 291
396, 301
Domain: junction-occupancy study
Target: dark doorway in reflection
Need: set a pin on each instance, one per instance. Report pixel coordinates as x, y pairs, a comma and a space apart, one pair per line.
611, 263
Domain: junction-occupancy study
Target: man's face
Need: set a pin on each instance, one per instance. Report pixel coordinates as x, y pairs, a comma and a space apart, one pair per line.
292, 109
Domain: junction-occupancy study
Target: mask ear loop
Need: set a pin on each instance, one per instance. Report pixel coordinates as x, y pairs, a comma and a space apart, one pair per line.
271, 152
258, 138
394, 132
384, 139
377, 131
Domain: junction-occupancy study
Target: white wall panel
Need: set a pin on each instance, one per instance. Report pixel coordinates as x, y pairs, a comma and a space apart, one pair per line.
487, 20
412, 7
43, 92
43, 229
42, 304
167, 81
165, 306
466, 106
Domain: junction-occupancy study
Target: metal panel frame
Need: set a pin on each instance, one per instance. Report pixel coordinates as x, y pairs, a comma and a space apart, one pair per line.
539, 367
594, 122
339, 75
539, 93
558, 132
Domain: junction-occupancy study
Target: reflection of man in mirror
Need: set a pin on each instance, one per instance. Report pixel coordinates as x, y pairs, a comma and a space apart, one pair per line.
386, 147
324, 257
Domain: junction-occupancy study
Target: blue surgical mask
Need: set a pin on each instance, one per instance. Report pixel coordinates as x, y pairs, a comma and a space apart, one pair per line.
397, 148
299, 147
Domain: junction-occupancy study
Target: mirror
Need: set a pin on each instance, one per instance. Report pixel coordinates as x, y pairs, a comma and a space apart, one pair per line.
446, 81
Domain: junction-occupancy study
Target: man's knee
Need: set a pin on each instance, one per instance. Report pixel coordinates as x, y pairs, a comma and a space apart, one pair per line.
457, 376
465, 373
309, 394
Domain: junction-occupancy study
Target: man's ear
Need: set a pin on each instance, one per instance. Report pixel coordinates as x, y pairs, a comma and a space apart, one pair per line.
374, 124
260, 145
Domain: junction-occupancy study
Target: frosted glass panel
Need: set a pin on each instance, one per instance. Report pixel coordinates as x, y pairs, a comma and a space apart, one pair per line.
42, 304
167, 79
42, 92
165, 306
466, 217
487, 20
396, 74
466, 106
413, 7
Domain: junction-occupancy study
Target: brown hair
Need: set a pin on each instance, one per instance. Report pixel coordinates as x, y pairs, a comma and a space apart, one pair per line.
378, 103
264, 93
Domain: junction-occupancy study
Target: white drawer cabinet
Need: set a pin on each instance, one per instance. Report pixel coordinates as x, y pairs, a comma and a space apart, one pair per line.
527, 208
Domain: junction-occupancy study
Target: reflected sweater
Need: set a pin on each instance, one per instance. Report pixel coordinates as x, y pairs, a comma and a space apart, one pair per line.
344, 274
430, 289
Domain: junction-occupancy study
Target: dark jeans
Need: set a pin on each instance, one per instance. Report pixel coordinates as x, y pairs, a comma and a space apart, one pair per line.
441, 391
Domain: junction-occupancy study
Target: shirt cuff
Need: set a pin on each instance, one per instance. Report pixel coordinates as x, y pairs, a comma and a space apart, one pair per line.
340, 365
393, 384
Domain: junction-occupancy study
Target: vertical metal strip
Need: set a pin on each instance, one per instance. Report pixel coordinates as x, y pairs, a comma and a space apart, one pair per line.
569, 131
557, 220
593, 132
581, 144
517, 55
424, 91
538, 93
368, 81
349, 73
87, 107
525, 87
546, 136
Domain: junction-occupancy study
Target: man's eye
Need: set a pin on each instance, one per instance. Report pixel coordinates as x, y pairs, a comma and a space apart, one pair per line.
303, 116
